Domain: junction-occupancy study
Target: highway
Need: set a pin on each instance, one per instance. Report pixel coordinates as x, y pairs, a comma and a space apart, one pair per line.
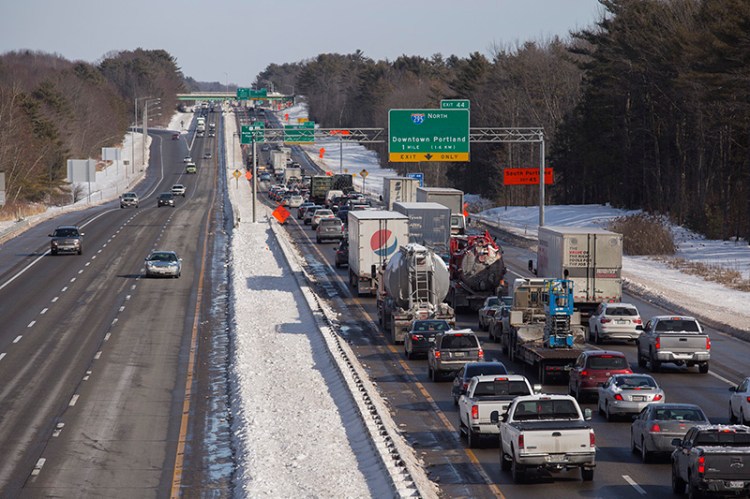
95, 358
429, 421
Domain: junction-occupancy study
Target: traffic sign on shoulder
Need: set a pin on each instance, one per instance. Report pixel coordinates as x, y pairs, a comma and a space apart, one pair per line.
428, 135
418, 176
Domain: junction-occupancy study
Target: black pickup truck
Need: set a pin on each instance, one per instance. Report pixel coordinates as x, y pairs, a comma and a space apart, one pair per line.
712, 460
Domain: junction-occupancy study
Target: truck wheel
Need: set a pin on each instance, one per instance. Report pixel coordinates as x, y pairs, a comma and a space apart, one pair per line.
655, 364
587, 474
471, 438
692, 490
504, 461
517, 471
703, 368
678, 484
641, 358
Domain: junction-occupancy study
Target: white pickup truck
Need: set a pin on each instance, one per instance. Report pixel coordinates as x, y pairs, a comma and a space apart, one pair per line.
487, 395
546, 432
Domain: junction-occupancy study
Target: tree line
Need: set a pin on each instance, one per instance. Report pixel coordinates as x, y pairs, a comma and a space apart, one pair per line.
53, 109
648, 108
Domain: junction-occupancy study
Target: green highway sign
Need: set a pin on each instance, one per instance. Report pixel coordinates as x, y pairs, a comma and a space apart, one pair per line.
249, 93
454, 104
259, 94
428, 135
304, 133
243, 93
255, 132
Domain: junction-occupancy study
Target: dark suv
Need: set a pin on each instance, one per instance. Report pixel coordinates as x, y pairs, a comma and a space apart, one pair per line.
165, 199
451, 351
419, 340
593, 368
66, 239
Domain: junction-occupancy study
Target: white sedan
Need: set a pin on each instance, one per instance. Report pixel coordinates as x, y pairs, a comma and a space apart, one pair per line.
739, 403
491, 302
318, 215
163, 264
628, 394
615, 321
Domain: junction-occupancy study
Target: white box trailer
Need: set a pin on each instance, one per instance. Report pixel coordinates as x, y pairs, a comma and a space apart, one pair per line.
399, 190
447, 196
590, 257
374, 236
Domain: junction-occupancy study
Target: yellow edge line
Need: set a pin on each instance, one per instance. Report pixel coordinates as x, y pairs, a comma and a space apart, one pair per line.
180, 453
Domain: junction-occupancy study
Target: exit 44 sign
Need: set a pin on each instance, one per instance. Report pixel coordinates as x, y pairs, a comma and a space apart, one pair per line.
428, 135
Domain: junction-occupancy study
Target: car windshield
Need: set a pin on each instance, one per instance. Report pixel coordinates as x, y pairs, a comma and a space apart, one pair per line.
635, 382
66, 233
622, 311
422, 326
459, 341
491, 302
607, 362
165, 196
728, 438
163, 257
546, 409
686, 325
678, 414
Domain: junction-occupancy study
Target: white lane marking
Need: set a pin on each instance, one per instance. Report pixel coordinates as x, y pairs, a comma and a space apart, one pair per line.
88, 263
55, 299
31, 324
97, 355
722, 378
132, 287
58, 429
73, 400
634, 485
44, 311
114, 321
2, 355
122, 308
127, 297
73, 279
93, 257
80, 271
99, 251
38, 466
64, 289
18, 338
106, 336
104, 245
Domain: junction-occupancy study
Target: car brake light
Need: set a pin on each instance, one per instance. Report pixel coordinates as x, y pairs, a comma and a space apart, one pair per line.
658, 397
748, 399
708, 343
701, 464
592, 439
618, 396
437, 354
474, 412
481, 353
605, 320
657, 343
415, 337
584, 373
637, 321
520, 441
655, 428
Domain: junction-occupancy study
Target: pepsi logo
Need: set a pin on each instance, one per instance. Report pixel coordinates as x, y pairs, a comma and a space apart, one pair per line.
383, 242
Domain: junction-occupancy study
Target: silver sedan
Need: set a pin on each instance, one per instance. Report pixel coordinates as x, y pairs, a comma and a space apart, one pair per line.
163, 264
628, 394
655, 427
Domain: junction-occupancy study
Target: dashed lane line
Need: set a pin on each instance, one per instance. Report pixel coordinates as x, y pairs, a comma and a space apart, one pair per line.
634, 485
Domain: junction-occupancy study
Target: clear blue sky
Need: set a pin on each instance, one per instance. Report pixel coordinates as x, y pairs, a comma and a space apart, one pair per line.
216, 40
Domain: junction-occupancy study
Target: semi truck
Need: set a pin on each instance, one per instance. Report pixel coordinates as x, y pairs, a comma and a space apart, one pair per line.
292, 172
590, 257
429, 225
319, 186
452, 198
412, 286
374, 237
477, 270
279, 161
399, 190
200, 126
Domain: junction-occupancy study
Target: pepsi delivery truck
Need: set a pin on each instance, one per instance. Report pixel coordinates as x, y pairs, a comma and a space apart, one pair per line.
374, 236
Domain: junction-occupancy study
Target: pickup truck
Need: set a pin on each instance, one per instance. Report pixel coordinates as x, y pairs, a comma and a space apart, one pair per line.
546, 432
487, 395
676, 339
712, 459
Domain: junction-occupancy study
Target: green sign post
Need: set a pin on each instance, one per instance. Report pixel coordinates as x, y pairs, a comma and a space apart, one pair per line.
304, 133
256, 132
428, 135
454, 104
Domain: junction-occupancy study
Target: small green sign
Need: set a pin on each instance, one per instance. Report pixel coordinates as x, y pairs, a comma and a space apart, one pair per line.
243, 93
304, 133
254, 132
454, 104
258, 94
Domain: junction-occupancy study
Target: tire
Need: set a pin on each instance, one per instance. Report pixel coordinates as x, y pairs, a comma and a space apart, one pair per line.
645, 454
455, 401
678, 484
703, 368
517, 471
504, 463
692, 492
742, 418
472, 440
732, 417
641, 359
53, 252
610, 417
317, 240
655, 364
599, 408
633, 448
80, 252
587, 474
430, 373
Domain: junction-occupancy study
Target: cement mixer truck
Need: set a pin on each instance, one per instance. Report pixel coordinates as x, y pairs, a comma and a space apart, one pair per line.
412, 287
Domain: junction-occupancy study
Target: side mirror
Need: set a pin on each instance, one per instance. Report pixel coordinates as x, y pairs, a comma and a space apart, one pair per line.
504, 417
568, 368
732, 388
50, 235
587, 414
537, 389
677, 442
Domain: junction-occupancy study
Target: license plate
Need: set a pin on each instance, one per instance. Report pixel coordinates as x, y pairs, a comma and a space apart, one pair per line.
638, 398
458, 354
621, 322
736, 485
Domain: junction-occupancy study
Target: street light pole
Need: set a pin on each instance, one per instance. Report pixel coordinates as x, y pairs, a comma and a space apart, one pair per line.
254, 179
145, 125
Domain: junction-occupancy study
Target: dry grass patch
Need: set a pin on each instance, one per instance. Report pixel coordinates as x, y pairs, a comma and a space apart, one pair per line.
728, 277
20, 211
644, 234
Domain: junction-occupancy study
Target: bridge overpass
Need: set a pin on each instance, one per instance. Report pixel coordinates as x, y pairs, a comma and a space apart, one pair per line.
220, 96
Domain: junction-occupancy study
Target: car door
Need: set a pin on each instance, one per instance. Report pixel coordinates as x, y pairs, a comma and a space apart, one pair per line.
639, 423
605, 393
643, 344
596, 316
739, 396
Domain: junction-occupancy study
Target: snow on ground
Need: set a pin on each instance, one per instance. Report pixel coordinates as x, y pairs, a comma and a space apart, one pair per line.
649, 277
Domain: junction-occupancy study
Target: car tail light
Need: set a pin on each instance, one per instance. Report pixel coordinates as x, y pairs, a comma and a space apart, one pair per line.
520, 441
592, 439
701, 464
474, 412
415, 337
748, 399
618, 396
481, 354
437, 354
708, 343
658, 397
604, 320
584, 373
655, 428
657, 343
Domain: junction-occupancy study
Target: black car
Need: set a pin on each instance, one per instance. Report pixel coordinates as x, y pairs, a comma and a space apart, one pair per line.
422, 335
165, 199
66, 239
463, 377
342, 254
